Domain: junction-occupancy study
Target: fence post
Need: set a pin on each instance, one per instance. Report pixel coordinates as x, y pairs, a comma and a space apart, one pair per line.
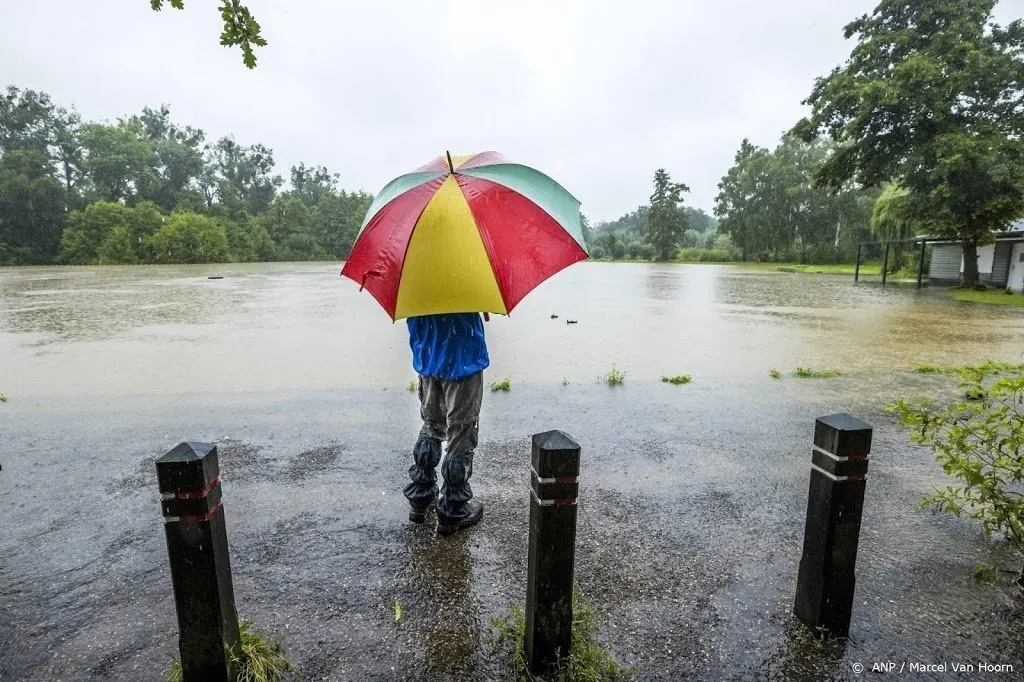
856, 269
197, 544
885, 264
835, 501
920, 266
552, 549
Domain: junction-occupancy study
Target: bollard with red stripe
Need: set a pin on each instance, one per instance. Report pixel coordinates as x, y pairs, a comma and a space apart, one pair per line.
839, 465
552, 548
197, 544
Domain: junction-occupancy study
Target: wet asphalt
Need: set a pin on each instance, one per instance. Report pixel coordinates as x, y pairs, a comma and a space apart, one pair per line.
691, 516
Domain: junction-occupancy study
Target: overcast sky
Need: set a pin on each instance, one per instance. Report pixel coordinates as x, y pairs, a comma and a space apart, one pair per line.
596, 94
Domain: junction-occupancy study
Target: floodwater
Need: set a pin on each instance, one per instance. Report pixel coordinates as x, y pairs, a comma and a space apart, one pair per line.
170, 329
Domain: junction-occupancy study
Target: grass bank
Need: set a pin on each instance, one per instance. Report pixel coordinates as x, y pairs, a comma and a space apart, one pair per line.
835, 269
991, 296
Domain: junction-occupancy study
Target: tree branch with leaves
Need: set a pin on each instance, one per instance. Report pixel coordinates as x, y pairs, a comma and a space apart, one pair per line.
240, 28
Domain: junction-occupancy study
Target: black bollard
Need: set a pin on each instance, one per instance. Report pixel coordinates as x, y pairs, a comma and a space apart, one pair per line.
839, 464
552, 549
197, 544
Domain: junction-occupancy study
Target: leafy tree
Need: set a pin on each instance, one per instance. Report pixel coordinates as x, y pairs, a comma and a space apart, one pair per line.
177, 158
666, 220
930, 99
311, 184
31, 209
891, 221
244, 176
119, 161
240, 27
190, 238
89, 228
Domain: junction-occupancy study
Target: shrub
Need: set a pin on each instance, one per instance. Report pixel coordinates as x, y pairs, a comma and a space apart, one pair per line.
979, 442
774, 373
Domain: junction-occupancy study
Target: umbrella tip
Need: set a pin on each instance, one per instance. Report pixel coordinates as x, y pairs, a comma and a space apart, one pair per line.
450, 166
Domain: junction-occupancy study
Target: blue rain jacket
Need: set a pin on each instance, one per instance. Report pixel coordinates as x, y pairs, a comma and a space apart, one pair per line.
450, 347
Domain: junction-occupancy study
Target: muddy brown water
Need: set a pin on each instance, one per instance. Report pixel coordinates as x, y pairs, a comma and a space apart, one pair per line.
154, 329
692, 497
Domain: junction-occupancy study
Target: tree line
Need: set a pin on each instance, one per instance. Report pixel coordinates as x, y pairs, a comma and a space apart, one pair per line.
149, 190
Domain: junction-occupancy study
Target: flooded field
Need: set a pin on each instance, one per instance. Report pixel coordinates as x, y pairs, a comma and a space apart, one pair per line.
169, 329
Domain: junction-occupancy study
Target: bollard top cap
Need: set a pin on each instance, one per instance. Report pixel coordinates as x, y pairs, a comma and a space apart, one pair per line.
189, 451
844, 422
555, 440
555, 454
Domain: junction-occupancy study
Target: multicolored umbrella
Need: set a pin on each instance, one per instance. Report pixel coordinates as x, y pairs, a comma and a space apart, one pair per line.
469, 233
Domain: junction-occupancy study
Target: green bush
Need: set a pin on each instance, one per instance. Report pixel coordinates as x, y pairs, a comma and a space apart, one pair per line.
681, 379
503, 385
774, 373
980, 443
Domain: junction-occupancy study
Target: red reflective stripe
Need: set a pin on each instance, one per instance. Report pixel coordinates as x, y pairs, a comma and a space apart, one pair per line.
381, 247
566, 500
201, 517
856, 477
525, 244
566, 479
197, 494
858, 456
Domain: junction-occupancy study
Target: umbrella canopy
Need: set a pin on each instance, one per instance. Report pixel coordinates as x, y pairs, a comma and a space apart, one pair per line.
471, 233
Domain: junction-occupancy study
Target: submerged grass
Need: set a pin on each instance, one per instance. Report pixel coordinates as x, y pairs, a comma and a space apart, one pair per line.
808, 373
615, 377
681, 379
503, 385
774, 373
588, 661
3, 398
261, 660
413, 386
565, 381
987, 367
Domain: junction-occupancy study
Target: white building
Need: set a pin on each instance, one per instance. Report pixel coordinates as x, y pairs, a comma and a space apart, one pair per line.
1000, 264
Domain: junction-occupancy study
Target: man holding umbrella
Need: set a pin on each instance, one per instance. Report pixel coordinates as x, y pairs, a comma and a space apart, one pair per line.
453, 239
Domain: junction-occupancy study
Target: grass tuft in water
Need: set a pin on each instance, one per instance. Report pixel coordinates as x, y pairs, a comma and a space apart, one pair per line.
615, 377
3, 398
261, 660
588, 661
565, 381
681, 379
808, 373
503, 385
774, 373
931, 369
414, 385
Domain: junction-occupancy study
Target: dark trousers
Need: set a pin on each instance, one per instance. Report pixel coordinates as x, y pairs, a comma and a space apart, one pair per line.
450, 411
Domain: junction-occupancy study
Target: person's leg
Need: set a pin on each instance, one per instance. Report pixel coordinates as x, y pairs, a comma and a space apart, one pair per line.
463, 399
426, 453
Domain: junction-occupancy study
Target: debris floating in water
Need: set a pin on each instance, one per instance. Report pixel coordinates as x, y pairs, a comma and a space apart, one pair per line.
554, 317
215, 277
571, 321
